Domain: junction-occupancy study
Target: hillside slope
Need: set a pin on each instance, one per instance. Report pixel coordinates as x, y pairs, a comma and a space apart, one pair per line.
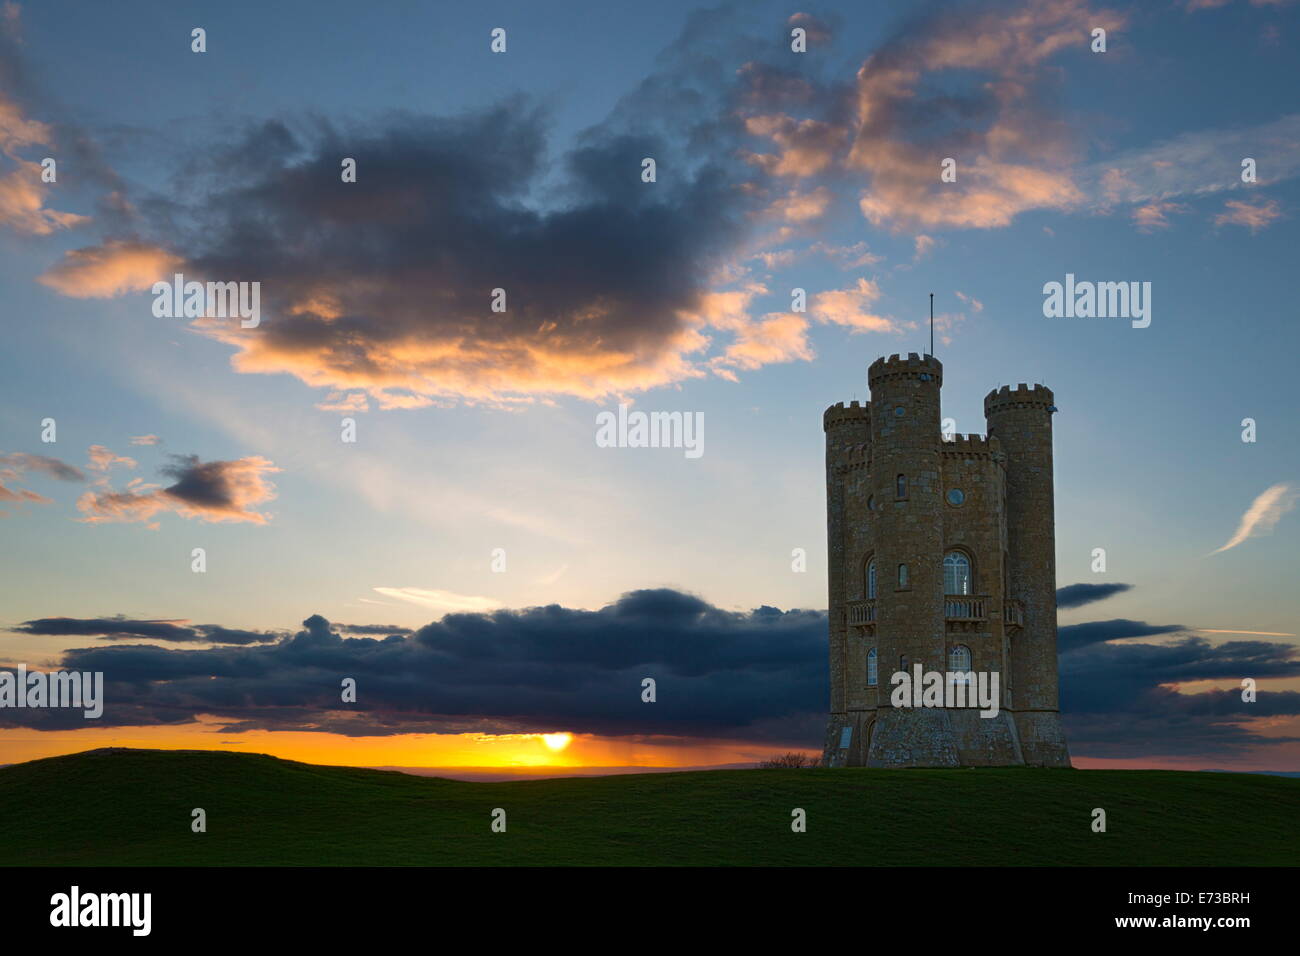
132, 807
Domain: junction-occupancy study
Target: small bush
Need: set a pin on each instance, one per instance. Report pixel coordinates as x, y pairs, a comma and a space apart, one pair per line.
789, 761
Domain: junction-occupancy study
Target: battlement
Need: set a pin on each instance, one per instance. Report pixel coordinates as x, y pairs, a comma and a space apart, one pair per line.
1022, 396
972, 446
896, 367
841, 414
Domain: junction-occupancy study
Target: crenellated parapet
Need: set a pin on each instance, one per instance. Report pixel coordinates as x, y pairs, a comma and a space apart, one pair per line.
925, 368
853, 413
984, 447
1022, 396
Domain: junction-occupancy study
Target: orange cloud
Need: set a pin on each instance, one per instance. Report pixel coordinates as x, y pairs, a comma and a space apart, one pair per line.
1254, 216
1154, 215
22, 192
115, 268
781, 337
849, 307
1014, 162
214, 491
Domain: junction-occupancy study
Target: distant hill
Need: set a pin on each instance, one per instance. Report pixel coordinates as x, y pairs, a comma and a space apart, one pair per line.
132, 807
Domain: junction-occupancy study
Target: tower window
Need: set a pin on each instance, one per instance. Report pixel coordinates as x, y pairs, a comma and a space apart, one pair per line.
872, 679
871, 578
871, 503
902, 575
956, 496
956, 573
899, 411
959, 664
900, 486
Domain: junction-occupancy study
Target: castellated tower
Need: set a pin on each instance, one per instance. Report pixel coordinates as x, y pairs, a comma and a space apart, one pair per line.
941, 554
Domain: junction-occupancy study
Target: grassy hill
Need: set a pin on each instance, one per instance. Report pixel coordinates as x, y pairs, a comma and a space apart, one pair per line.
132, 807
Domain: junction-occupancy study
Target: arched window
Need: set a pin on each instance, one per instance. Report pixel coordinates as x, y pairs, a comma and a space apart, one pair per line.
902, 575
871, 668
959, 664
871, 578
900, 486
956, 573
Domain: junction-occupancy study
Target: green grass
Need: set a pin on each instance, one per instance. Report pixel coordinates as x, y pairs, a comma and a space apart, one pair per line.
132, 807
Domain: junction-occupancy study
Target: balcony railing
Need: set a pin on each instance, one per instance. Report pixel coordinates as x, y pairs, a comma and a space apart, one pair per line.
958, 608
964, 607
1013, 613
862, 613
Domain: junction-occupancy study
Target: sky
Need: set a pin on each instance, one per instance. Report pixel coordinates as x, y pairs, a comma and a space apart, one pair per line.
496, 582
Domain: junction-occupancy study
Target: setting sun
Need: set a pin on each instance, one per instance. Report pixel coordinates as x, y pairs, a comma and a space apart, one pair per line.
557, 742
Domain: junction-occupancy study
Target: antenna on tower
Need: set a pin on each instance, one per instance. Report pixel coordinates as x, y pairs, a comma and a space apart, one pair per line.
931, 323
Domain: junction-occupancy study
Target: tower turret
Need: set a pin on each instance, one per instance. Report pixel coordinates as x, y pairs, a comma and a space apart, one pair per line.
1021, 419
906, 516
848, 436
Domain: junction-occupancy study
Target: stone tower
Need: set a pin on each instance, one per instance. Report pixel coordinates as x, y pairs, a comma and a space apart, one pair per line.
942, 555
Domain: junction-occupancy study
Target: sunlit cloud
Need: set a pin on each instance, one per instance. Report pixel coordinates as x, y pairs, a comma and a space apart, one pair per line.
446, 602
115, 268
1253, 216
211, 491
1262, 515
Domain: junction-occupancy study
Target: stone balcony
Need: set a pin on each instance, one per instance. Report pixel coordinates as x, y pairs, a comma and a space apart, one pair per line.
961, 612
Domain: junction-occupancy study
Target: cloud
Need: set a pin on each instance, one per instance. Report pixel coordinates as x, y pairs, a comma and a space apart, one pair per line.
1262, 515
444, 601
101, 459
1186, 164
13, 468
1122, 700
1074, 636
122, 628
116, 267
145, 439
851, 307
758, 674
213, 491
781, 337
900, 118
817, 31
751, 674
1254, 216
22, 192
1155, 215
1077, 595
383, 288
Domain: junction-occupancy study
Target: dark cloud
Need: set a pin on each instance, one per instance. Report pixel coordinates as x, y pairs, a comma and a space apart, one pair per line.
758, 675
14, 468
122, 628
1073, 636
44, 464
718, 672
1077, 595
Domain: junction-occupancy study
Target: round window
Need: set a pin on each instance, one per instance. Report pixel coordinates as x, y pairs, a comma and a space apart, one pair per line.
956, 496
898, 411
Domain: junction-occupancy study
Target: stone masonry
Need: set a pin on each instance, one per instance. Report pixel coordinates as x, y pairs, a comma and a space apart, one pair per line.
900, 501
